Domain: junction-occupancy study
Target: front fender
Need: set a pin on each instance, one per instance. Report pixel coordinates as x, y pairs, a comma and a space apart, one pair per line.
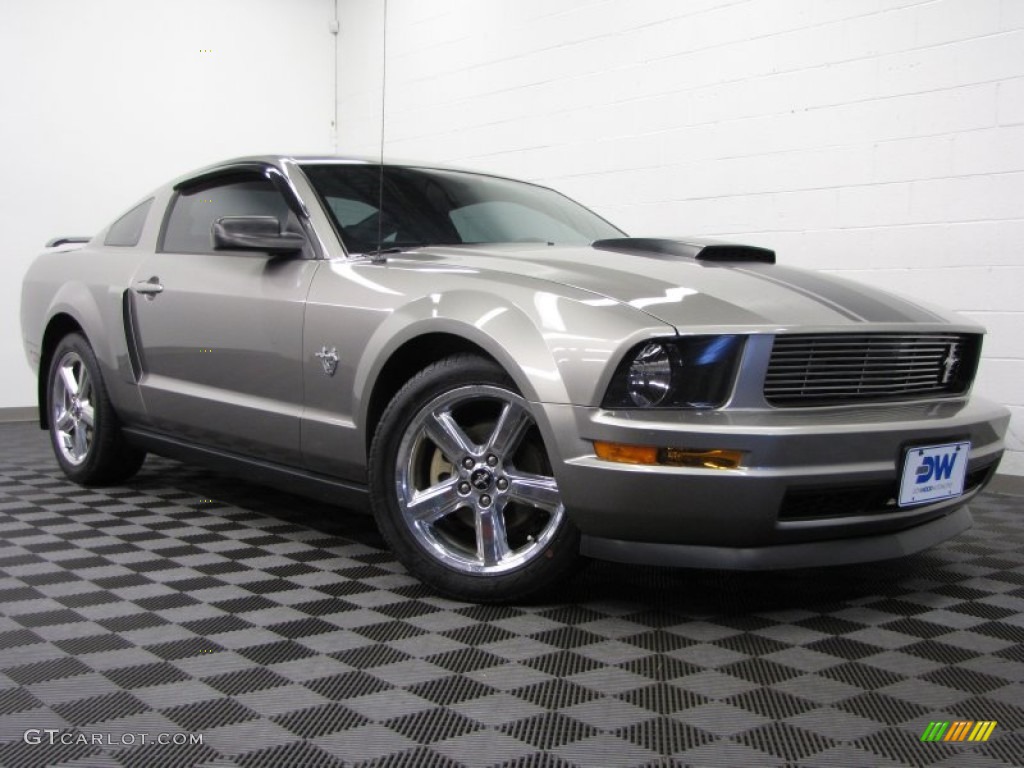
556, 348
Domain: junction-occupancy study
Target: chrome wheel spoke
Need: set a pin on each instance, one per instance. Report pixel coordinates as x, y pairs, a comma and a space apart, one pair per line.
88, 416
64, 421
491, 537
80, 442
432, 504
534, 490
512, 424
447, 435
67, 377
84, 386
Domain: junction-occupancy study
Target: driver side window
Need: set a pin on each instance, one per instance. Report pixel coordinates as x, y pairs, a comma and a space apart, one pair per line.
188, 228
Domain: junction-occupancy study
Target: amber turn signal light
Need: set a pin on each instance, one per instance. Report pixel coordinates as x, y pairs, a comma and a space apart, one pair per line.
672, 457
715, 459
626, 454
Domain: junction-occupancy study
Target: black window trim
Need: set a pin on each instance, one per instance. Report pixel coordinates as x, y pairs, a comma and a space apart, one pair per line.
247, 172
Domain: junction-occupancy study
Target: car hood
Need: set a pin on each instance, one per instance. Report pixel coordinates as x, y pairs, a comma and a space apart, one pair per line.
686, 292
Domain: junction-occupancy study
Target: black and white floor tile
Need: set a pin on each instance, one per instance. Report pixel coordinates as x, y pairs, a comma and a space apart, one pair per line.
282, 632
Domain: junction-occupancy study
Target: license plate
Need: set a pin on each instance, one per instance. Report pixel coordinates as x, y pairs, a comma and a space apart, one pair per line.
933, 473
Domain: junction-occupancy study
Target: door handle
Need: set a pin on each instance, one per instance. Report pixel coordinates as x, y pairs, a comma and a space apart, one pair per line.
149, 288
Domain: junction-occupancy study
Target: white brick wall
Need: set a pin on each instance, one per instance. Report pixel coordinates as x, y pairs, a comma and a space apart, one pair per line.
101, 101
883, 139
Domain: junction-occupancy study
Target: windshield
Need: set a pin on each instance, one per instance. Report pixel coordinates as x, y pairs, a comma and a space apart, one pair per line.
433, 207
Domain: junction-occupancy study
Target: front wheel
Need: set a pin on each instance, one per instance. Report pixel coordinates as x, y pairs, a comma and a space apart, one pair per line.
463, 490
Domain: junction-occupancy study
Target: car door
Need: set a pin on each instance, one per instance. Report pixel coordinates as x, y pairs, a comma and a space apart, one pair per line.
219, 333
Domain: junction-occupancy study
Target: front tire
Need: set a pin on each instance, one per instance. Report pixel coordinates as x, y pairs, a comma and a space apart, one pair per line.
84, 430
462, 487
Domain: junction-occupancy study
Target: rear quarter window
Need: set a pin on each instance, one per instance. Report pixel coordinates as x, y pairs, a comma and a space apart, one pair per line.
127, 230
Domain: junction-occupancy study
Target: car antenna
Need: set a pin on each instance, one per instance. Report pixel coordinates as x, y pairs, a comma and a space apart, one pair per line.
378, 254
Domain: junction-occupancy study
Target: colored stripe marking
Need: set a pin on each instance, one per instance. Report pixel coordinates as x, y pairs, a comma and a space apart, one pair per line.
983, 730
934, 731
959, 730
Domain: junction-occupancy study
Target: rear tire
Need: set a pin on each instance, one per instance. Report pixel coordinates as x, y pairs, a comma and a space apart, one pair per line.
462, 487
84, 429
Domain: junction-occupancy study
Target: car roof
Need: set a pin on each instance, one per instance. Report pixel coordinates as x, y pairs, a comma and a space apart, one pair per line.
282, 160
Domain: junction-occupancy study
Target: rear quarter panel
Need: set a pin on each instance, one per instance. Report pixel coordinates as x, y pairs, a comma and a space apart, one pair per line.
86, 285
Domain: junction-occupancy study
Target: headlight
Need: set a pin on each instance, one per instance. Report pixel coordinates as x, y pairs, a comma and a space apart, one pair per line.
686, 372
649, 377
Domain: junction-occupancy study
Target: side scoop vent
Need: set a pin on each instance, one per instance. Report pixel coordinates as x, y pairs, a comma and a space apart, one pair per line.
701, 250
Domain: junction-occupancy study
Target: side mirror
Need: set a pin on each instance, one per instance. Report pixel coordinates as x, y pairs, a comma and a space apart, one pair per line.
254, 233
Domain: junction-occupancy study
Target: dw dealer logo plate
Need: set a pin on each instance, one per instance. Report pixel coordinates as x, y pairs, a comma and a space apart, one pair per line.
933, 473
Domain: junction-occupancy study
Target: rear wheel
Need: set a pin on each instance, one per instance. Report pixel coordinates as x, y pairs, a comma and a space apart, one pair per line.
463, 490
84, 429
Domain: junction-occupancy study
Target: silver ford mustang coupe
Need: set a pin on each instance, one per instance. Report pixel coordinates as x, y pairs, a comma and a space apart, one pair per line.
507, 380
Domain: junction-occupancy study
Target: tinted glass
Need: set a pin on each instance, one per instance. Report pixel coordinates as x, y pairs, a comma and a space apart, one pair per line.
431, 207
191, 220
127, 230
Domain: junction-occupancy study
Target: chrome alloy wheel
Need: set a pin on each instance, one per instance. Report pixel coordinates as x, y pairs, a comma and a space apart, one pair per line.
474, 483
73, 416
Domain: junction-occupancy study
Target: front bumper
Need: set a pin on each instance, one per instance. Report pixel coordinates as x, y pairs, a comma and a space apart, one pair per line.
817, 485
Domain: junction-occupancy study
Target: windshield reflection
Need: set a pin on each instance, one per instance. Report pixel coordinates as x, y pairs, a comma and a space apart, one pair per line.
419, 207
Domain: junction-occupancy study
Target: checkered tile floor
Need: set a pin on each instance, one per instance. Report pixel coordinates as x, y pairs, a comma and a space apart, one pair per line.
281, 631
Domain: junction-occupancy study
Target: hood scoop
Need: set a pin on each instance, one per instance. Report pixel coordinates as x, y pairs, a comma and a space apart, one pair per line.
692, 248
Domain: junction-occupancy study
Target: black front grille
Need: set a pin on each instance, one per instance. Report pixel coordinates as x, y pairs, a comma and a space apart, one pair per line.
837, 369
